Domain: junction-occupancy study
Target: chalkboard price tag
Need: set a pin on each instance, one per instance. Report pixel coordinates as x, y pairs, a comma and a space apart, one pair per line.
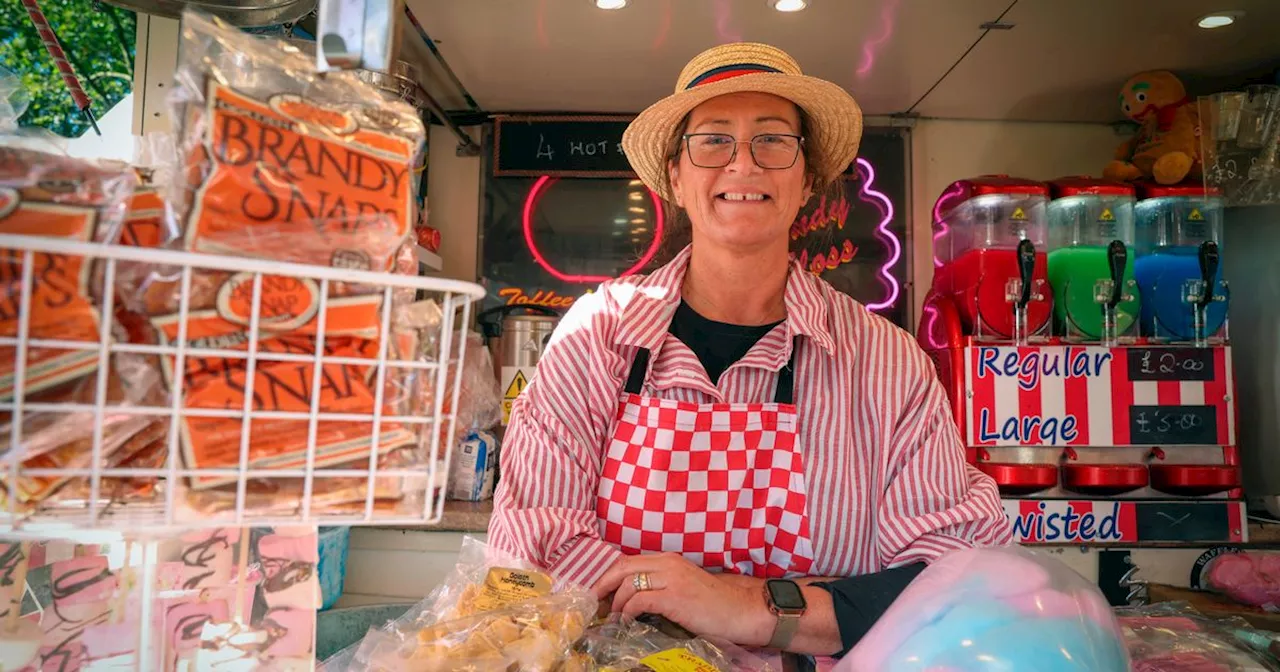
1192, 364
1178, 425
1183, 521
560, 146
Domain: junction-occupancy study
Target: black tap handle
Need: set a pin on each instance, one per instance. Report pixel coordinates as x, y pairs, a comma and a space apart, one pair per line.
1026, 269
1208, 269
1117, 258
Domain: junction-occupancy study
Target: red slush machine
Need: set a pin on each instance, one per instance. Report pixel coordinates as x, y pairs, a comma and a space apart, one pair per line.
1094, 435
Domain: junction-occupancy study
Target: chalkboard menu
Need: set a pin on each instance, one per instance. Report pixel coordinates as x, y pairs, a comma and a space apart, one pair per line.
1190, 364
566, 146
1179, 425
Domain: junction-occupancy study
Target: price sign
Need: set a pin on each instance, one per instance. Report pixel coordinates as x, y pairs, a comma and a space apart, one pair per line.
1183, 425
1195, 364
1183, 522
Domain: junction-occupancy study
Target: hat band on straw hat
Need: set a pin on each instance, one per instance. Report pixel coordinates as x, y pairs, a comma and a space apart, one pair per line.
727, 72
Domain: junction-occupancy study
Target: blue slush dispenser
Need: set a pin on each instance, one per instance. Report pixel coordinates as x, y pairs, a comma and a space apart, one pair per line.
1178, 242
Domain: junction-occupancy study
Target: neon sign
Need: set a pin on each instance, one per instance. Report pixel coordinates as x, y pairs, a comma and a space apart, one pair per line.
531, 201
869, 195
835, 211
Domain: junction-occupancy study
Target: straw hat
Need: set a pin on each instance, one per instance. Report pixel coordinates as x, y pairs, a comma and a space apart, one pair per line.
836, 119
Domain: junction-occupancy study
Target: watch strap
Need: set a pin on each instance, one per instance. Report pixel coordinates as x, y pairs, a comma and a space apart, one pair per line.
784, 631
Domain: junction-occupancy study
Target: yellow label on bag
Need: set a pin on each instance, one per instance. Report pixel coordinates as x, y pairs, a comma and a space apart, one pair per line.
504, 587
677, 660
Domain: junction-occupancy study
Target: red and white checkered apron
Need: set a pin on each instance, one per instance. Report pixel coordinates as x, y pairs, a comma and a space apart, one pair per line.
721, 484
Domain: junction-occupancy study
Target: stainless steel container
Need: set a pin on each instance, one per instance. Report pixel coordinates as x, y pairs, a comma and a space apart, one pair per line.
523, 339
516, 343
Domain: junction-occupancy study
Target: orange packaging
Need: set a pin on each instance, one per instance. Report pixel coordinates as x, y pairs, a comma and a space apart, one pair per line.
293, 180
61, 306
281, 163
47, 195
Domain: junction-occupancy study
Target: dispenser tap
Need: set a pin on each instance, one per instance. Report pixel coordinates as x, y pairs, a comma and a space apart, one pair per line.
1208, 271
1117, 258
1026, 273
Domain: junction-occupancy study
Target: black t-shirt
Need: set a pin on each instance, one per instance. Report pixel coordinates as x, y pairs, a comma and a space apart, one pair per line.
717, 344
859, 601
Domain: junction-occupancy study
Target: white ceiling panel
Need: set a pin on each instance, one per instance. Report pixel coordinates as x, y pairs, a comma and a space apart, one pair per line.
1063, 61
567, 55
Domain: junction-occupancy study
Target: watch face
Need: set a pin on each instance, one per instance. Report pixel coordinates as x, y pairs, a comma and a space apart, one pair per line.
786, 595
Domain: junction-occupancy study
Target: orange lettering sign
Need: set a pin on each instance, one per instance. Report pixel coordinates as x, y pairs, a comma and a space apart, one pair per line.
829, 261
825, 214
543, 297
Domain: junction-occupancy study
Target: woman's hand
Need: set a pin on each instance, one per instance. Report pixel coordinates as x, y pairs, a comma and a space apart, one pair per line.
727, 606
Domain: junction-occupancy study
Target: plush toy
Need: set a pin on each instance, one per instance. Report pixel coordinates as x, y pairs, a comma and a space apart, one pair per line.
1166, 148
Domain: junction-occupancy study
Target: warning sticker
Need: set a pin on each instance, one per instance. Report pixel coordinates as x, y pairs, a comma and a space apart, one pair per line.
1195, 215
1106, 216
514, 381
1018, 214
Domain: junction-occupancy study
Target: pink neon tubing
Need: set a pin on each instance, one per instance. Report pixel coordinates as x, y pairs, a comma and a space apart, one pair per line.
530, 202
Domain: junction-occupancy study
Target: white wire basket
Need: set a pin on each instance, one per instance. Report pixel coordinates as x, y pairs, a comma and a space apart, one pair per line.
294, 449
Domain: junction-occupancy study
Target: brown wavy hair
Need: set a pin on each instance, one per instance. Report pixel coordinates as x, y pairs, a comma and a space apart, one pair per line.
678, 230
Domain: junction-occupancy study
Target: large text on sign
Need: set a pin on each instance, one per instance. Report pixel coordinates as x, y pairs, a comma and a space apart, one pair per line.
1039, 521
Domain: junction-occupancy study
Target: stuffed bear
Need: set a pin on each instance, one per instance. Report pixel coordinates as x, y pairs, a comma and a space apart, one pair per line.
1167, 146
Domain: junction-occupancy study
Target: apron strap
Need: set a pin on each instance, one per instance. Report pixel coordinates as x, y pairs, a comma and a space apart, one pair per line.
783, 394
639, 368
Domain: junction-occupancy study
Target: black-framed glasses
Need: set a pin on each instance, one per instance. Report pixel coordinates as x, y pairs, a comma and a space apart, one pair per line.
771, 151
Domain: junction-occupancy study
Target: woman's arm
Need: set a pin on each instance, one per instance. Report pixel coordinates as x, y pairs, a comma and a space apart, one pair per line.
545, 505
728, 606
859, 601
934, 501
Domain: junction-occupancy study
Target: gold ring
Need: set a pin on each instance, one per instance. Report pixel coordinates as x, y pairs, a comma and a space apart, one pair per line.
641, 582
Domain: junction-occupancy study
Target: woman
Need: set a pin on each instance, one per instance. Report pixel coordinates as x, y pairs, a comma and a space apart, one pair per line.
731, 418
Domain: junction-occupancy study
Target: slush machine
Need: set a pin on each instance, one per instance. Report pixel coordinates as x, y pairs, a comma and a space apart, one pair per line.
1179, 241
1095, 297
989, 237
1081, 341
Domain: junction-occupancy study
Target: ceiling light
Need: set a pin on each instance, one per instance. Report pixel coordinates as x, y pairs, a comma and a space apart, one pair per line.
635, 196
1218, 20
788, 5
636, 210
611, 4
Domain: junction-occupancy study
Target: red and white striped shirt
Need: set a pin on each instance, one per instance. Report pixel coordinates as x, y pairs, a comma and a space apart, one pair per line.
886, 471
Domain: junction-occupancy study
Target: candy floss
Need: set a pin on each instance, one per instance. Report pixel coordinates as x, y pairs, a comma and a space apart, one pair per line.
994, 609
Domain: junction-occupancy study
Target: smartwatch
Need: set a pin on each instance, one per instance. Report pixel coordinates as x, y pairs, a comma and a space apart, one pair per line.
786, 603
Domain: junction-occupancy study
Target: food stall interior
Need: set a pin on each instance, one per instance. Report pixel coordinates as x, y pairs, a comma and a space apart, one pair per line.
988, 214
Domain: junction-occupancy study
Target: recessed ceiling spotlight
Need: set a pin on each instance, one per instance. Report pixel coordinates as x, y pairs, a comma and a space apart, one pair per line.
788, 5
611, 4
1218, 19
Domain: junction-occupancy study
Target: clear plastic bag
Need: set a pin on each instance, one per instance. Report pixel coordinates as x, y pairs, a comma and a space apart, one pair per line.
51, 195
457, 595
994, 609
1174, 637
1249, 577
271, 159
534, 635
625, 644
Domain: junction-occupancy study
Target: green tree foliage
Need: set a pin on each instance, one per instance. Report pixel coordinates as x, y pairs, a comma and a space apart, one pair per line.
99, 41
